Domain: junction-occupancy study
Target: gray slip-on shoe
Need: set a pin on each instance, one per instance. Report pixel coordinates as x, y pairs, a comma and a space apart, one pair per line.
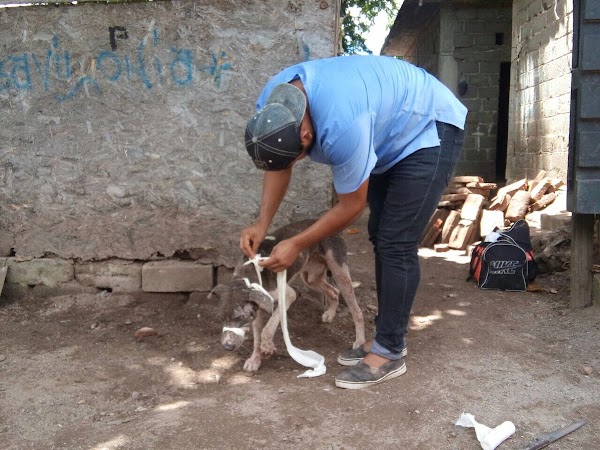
353, 356
362, 375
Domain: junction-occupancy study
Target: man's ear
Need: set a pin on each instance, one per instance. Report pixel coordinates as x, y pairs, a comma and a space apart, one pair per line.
306, 137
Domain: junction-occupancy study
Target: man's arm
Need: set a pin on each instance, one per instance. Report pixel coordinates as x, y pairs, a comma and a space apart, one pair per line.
275, 185
346, 211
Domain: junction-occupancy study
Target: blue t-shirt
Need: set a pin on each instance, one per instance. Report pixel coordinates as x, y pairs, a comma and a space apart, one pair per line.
369, 112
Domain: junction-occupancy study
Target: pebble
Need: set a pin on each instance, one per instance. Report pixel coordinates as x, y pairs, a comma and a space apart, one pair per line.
587, 370
145, 332
128, 322
2, 358
135, 395
94, 325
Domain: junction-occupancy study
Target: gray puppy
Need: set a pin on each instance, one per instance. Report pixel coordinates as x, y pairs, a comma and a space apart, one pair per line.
243, 307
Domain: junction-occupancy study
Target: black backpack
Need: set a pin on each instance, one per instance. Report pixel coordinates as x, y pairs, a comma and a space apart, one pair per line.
507, 263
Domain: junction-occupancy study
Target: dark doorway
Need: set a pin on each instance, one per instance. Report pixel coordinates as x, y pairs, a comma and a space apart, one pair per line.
502, 130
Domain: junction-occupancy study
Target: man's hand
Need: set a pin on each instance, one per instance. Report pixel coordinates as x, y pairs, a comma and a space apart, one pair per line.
283, 256
251, 238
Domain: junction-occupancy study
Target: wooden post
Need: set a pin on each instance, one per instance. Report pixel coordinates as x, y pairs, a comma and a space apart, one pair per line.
582, 240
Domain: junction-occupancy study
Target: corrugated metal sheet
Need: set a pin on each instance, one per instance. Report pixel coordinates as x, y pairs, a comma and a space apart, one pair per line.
584, 155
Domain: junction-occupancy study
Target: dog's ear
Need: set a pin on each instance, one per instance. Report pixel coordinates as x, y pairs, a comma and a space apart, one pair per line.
218, 292
263, 301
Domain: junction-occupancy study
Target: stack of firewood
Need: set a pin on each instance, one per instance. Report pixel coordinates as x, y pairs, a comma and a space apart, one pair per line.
471, 208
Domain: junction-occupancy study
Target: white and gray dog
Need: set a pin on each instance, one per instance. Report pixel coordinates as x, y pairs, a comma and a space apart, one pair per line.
243, 306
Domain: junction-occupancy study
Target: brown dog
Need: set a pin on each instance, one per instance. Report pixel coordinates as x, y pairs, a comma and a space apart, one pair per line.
243, 306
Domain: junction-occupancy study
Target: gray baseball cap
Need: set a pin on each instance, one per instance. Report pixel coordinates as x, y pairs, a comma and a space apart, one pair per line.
273, 133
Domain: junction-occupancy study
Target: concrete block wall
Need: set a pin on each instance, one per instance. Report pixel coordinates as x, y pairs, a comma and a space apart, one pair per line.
540, 88
482, 40
115, 275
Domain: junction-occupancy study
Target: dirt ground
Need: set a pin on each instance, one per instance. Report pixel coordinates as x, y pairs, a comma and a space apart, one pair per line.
72, 375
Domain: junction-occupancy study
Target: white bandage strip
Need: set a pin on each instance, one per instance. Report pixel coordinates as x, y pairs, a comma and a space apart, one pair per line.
235, 330
307, 358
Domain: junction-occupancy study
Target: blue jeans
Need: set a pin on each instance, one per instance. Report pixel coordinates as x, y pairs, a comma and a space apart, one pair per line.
401, 201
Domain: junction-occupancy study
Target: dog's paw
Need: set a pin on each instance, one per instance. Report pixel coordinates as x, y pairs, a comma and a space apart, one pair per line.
252, 364
268, 349
358, 343
328, 316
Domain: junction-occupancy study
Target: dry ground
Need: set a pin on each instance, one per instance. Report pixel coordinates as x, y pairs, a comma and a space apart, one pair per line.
72, 375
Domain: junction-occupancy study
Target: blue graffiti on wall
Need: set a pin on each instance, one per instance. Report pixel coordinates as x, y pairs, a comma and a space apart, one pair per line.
23, 72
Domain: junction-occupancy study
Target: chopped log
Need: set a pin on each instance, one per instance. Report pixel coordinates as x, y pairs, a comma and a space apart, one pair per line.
461, 234
517, 209
489, 221
457, 190
513, 187
467, 179
449, 225
433, 234
500, 203
484, 192
454, 197
472, 207
474, 231
543, 202
438, 214
450, 205
539, 177
482, 185
540, 189
557, 183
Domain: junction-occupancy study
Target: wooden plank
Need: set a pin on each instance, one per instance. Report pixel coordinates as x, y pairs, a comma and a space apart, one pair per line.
449, 225
461, 234
539, 177
450, 205
457, 190
482, 185
517, 209
489, 221
540, 189
454, 197
433, 234
510, 189
467, 179
543, 202
582, 242
472, 207
500, 202
438, 214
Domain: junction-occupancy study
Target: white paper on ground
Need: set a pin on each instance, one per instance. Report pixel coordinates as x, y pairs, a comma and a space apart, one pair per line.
489, 438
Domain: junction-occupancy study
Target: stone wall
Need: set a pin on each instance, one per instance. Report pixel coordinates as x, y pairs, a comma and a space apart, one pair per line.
121, 126
540, 88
